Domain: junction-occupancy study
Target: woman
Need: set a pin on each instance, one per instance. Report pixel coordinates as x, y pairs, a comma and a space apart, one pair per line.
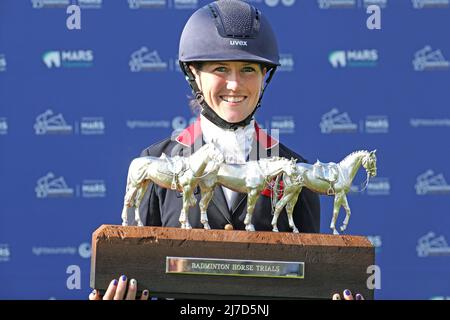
228, 53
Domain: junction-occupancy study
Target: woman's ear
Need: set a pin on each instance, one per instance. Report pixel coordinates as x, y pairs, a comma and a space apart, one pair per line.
196, 74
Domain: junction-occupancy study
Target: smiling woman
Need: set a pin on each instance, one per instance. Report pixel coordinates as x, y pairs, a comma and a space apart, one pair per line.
228, 54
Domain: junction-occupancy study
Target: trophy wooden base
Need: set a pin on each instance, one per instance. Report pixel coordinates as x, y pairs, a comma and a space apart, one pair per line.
329, 263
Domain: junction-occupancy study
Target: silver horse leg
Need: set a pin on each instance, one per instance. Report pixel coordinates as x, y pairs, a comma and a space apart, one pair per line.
348, 213
290, 209
252, 197
204, 202
336, 207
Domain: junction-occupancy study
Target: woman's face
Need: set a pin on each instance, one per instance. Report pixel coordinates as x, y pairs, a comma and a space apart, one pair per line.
231, 88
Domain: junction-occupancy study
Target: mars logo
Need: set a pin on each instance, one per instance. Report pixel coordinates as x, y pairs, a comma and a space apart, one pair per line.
330, 4
185, 4
379, 186
5, 252
146, 4
3, 126
430, 245
426, 59
92, 126
93, 189
420, 4
429, 183
353, 58
2, 63
377, 124
50, 186
68, 59
335, 122
287, 62
48, 123
143, 60
38, 4
380, 3
283, 124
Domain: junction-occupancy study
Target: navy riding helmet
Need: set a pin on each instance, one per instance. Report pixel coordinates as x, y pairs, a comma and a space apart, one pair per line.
227, 30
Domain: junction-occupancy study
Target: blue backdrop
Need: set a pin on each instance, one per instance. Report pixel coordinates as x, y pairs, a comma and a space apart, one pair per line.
76, 106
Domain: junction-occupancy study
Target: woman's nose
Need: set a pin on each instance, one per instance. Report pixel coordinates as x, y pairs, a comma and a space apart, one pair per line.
233, 80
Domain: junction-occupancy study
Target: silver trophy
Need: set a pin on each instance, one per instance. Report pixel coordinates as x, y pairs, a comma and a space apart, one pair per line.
332, 179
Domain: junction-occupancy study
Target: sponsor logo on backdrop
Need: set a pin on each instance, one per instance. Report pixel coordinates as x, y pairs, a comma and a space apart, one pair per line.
145, 60
49, 123
274, 3
331, 4
90, 4
376, 242
38, 4
3, 126
440, 298
420, 4
179, 123
146, 4
92, 126
287, 62
380, 3
84, 250
148, 124
335, 122
379, 186
5, 252
430, 183
68, 59
93, 189
2, 63
50, 186
353, 58
437, 122
284, 124
427, 60
185, 4
432, 245
376, 124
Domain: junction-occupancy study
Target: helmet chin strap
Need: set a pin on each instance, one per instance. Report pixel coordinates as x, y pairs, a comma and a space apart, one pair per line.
208, 112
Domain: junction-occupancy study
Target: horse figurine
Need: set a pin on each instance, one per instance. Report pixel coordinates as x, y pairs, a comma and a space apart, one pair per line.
177, 173
325, 178
251, 178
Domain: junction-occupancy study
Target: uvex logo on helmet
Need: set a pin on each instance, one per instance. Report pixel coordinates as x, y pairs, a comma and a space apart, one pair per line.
238, 43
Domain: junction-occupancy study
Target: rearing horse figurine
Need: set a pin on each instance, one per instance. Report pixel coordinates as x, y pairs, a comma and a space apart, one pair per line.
325, 178
177, 173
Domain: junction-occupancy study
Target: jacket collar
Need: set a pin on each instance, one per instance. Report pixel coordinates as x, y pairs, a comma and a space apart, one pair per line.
192, 133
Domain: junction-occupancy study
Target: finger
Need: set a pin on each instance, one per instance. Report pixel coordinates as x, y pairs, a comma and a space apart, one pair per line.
336, 296
132, 288
94, 295
348, 295
121, 288
111, 291
144, 295
359, 297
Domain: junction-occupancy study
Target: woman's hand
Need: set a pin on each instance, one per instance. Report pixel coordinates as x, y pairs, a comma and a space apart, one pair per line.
347, 294
117, 290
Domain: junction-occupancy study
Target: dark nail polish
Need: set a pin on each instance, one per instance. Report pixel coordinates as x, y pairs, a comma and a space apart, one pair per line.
115, 282
145, 293
94, 292
347, 292
359, 297
124, 278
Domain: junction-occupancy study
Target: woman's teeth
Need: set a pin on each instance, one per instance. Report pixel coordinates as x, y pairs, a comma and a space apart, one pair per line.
233, 99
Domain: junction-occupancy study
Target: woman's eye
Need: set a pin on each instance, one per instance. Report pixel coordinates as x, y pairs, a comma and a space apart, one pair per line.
220, 69
248, 69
